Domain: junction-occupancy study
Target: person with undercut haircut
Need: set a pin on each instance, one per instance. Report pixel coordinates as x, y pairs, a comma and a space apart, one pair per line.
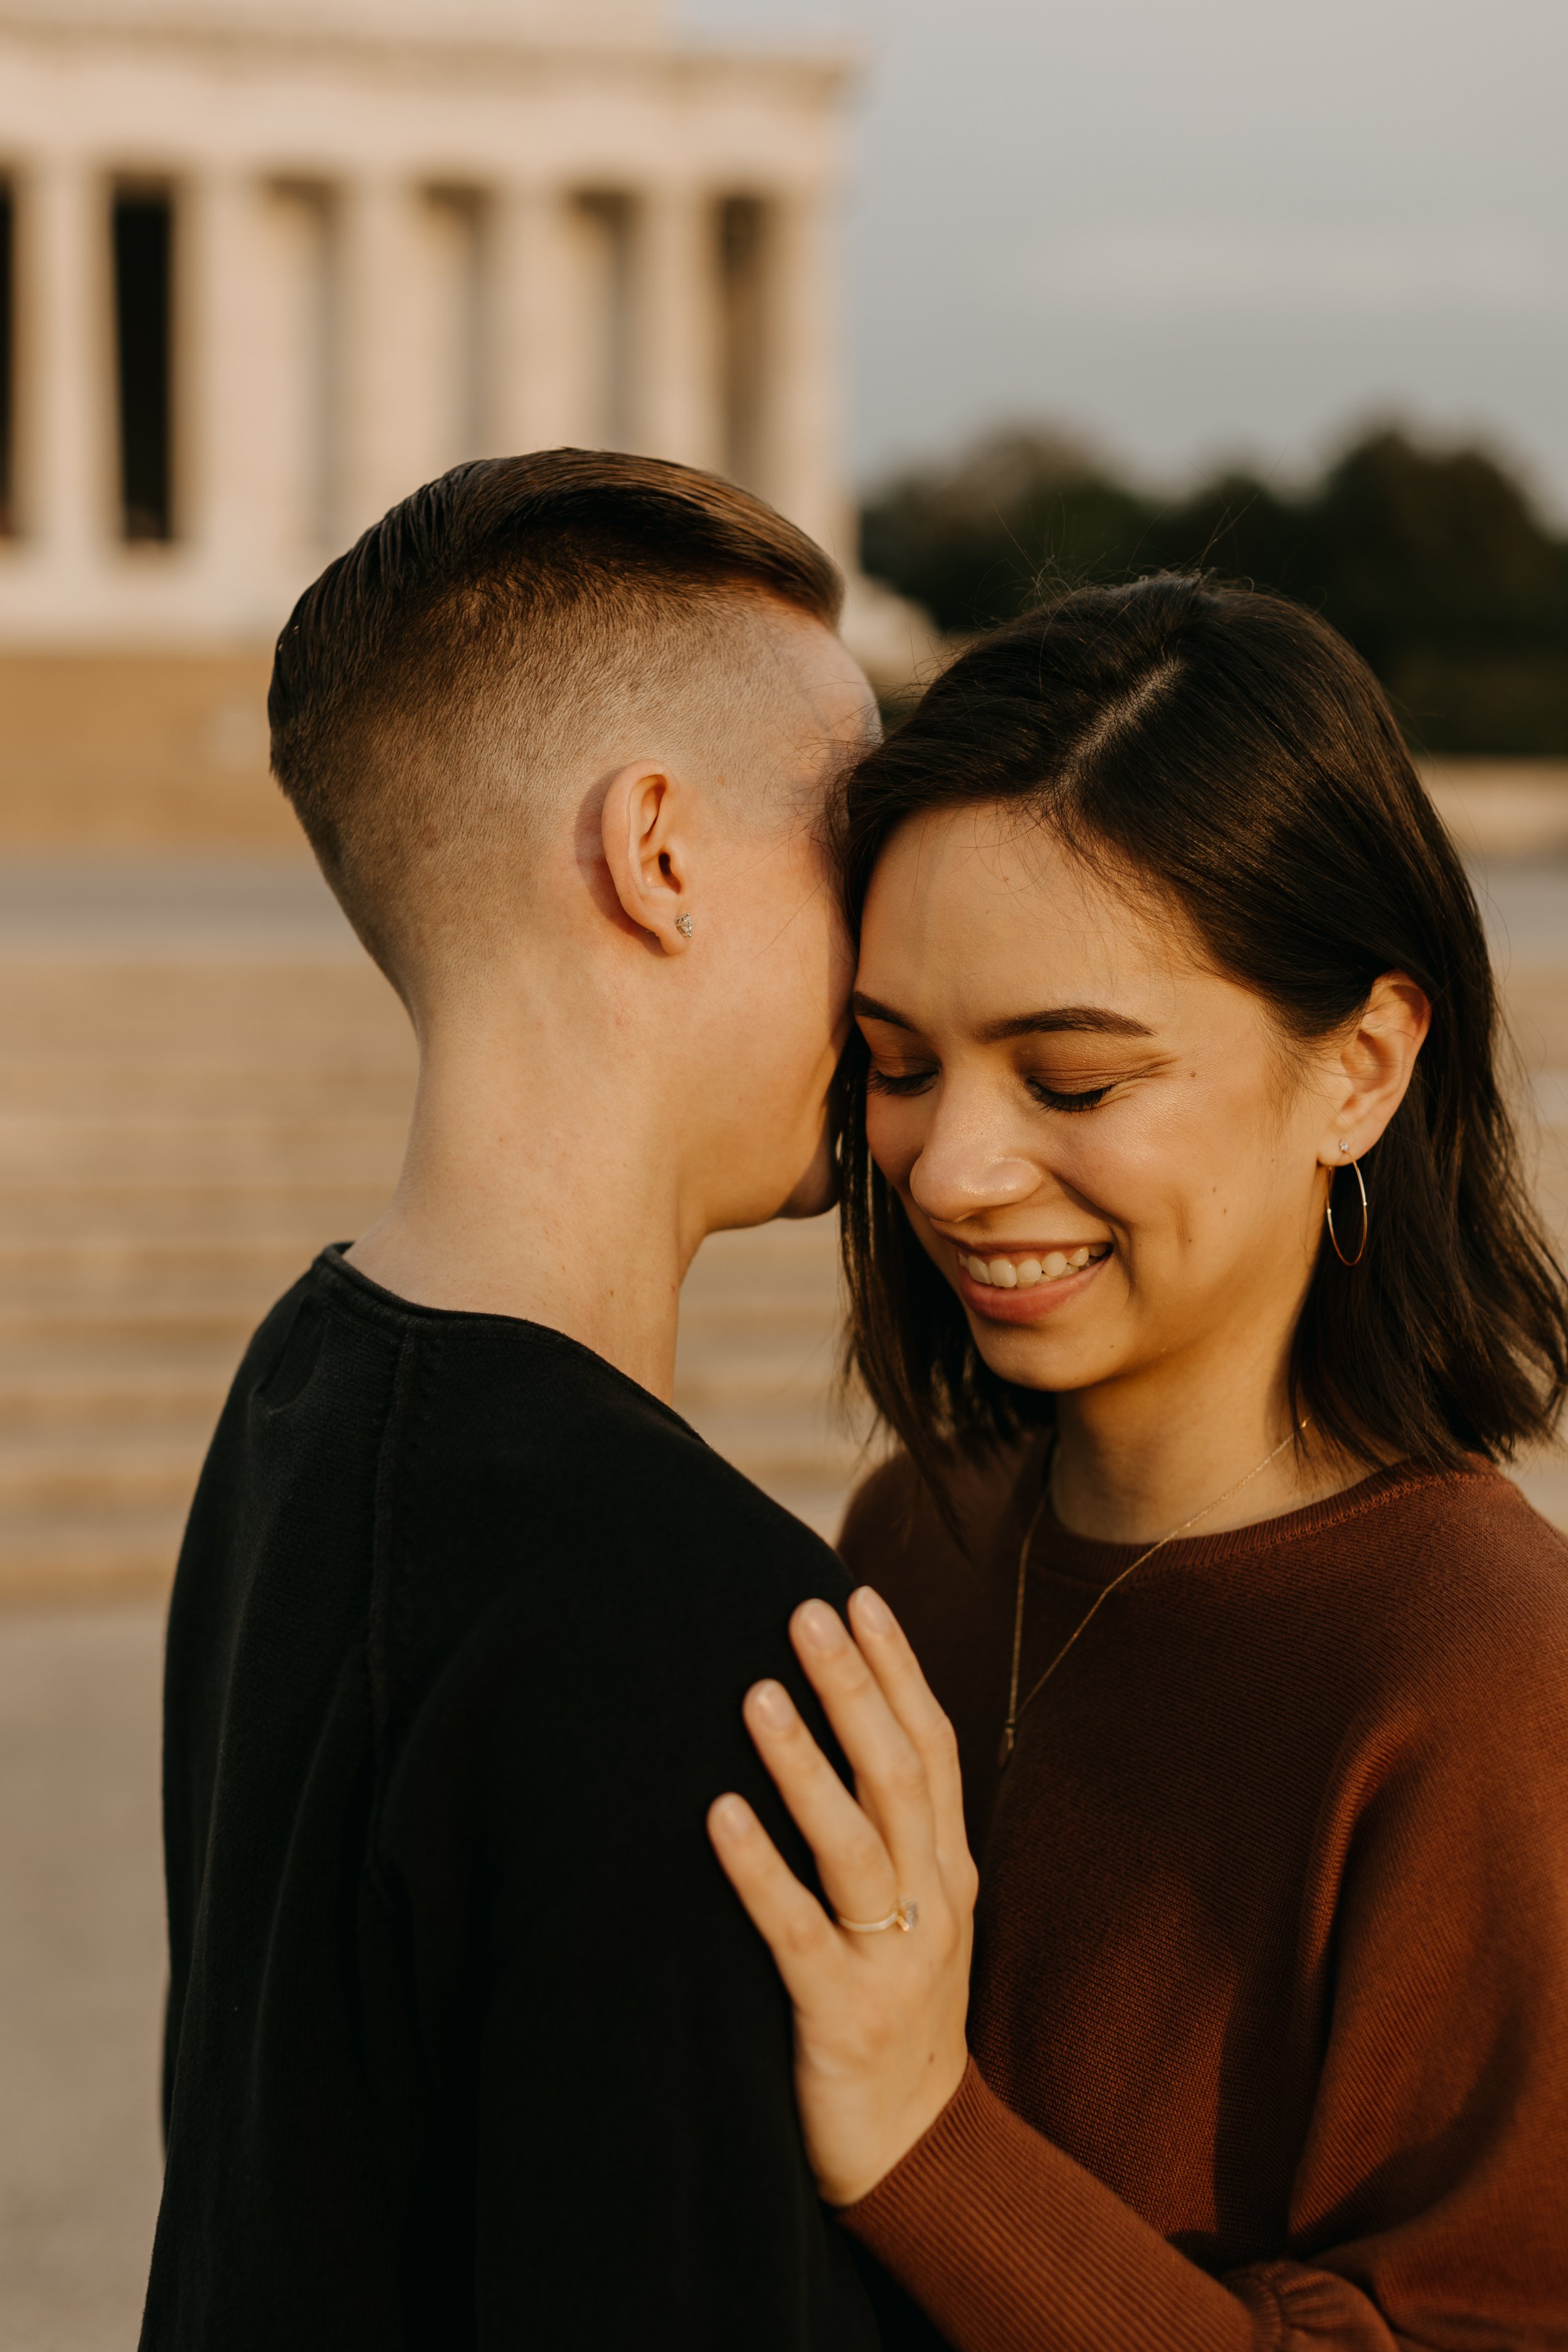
468, 2042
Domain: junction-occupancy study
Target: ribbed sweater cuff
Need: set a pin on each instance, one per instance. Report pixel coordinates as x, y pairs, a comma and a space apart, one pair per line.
1009, 2246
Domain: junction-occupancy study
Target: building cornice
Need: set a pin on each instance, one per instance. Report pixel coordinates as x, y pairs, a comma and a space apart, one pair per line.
816, 74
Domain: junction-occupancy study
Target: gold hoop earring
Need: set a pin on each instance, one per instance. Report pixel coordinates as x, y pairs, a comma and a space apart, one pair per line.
1329, 1217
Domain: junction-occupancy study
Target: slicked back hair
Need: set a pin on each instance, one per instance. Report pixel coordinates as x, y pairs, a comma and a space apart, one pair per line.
429, 687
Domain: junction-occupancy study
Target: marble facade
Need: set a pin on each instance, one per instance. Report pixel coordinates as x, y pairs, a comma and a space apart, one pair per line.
270, 267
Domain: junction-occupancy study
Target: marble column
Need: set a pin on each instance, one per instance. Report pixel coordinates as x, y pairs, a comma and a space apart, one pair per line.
677, 387
534, 356
801, 428
227, 424
65, 361
375, 441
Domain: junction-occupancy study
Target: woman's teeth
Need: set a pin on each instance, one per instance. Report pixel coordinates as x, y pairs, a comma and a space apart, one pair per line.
1006, 1275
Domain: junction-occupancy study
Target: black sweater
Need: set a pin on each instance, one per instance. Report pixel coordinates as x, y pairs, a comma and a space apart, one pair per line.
468, 2042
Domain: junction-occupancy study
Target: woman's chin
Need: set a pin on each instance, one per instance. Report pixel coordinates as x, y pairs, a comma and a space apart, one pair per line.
1033, 1355
1029, 1357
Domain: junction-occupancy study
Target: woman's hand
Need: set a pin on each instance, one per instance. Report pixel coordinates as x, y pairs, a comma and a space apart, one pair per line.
879, 2019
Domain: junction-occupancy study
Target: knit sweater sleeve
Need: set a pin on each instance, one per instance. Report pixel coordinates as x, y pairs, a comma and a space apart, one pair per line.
1429, 2203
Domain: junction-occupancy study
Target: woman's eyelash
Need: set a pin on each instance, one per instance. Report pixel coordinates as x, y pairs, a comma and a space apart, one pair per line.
915, 1082
1084, 1099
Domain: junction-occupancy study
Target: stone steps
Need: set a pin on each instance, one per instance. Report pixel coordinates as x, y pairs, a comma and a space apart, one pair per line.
179, 1136
122, 1216
66, 1554
200, 1091
69, 1468
176, 1142
254, 1152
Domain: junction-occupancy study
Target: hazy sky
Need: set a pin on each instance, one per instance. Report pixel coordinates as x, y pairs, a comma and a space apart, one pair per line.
1203, 227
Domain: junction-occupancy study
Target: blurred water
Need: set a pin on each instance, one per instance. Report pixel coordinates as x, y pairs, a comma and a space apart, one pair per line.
258, 907
106, 909
1524, 904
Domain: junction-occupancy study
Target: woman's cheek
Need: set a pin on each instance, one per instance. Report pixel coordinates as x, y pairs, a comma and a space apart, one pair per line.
1122, 1161
893, 1133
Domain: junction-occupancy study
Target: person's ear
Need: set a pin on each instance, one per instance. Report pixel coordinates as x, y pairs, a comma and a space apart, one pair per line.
1372, 1065
645, 828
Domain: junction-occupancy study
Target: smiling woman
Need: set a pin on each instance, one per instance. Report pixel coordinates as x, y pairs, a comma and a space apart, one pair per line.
1234, 1657
1188, 814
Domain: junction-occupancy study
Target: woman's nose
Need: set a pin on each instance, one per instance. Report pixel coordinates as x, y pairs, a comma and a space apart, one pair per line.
959, 1173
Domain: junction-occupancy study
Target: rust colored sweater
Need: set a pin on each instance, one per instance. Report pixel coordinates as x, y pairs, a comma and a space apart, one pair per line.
1270, 2008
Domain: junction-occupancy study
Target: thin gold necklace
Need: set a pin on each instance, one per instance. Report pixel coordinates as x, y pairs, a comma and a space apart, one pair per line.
1015, 1707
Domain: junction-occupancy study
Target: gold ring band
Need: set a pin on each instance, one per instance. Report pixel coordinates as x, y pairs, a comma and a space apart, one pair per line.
903, 1918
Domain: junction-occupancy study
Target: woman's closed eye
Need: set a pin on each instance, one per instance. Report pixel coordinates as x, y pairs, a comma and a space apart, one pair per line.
1066, 1098
880, 1080
899, 1082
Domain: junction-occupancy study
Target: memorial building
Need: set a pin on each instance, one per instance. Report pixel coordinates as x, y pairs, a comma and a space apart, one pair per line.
268, 264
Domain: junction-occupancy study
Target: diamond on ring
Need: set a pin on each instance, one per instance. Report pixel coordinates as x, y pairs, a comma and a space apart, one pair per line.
903, 1918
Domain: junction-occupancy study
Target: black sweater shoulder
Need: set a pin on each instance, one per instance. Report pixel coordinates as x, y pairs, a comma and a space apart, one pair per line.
470, 2042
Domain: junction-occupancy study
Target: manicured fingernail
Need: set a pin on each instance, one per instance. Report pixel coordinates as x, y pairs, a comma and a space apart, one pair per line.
872, 1611
772, 1702
731, 1816
821, 1626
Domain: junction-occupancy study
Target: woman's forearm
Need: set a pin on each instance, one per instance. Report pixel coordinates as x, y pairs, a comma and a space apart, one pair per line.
1009, 2246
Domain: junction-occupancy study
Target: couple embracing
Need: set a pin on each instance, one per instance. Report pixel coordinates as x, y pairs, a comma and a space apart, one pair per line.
575, 1938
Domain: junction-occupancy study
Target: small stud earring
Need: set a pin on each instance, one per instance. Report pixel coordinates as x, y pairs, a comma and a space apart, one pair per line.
683, 924
1344, 1145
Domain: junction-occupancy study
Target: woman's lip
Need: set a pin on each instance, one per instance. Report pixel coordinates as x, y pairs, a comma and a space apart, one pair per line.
999, 1306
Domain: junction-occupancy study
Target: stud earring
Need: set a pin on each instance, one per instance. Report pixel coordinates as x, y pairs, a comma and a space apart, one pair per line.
683, 924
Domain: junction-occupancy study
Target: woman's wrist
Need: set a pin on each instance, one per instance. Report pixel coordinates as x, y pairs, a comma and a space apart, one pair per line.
871, 2165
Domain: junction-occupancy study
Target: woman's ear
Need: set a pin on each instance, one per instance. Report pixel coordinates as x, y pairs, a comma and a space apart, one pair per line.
644, 826
1374, 1064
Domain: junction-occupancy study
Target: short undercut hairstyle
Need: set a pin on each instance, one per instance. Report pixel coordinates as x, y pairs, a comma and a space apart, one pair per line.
501, 627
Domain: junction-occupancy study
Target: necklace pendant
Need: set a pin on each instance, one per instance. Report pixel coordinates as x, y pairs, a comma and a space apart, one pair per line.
1005, 1751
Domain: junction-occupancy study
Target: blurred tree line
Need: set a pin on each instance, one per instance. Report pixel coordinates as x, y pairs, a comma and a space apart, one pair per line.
1434, 564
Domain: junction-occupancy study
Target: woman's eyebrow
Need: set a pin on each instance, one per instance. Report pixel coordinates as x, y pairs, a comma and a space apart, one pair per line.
869, 1010
1093, 1019
1096, 1019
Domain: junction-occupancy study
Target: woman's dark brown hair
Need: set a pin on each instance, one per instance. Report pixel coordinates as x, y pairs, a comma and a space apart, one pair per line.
1228, 750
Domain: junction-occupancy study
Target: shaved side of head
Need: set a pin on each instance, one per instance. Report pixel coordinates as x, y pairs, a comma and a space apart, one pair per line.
506, 637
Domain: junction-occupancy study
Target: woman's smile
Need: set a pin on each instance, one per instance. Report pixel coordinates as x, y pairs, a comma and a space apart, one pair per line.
1023, 1282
